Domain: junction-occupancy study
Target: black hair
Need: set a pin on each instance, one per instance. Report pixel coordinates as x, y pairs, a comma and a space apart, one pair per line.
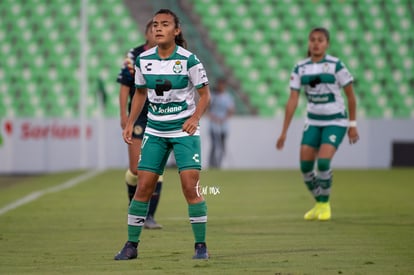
322, 30
147, 28
179, 39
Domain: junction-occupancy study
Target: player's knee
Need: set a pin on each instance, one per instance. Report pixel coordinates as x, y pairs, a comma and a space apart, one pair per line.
324, 164
192, 192
130, 178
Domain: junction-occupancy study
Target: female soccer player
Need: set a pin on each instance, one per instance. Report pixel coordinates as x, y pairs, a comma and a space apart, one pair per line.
126, 93
322, 76
169, 76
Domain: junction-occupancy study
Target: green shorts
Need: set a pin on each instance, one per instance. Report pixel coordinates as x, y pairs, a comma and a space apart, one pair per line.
156, 150
314, 136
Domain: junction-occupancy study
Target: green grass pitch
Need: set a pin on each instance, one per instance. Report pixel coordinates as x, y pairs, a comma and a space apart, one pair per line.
255, 225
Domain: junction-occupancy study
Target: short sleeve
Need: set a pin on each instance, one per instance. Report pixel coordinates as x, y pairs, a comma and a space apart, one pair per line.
294, 83
196, 71
139, 77
343, 76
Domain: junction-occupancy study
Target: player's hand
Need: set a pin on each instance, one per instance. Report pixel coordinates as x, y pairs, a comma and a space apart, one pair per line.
353, 135
127, 134
280, 142
190, 125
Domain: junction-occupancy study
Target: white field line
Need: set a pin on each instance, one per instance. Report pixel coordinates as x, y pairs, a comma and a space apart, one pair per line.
37, 194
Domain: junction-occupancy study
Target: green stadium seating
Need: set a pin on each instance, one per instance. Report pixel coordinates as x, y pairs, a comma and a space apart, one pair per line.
41, 46
258, 40
372, 38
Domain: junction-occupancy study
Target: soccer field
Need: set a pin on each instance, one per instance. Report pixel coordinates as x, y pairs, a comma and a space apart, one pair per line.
255, 225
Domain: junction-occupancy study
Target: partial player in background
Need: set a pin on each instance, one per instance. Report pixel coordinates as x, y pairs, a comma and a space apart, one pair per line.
126, 93
322, 76
170, 77
220, 110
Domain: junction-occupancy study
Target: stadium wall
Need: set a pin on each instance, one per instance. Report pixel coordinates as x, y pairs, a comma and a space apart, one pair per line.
47, 145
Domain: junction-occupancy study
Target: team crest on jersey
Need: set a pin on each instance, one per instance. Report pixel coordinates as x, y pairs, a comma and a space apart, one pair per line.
178, 67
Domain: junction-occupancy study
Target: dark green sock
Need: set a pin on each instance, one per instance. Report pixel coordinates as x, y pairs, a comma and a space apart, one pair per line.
198, 219
136, 217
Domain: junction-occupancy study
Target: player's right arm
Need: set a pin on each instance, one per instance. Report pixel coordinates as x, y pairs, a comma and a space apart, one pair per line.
137, 104
295, 86
289, 111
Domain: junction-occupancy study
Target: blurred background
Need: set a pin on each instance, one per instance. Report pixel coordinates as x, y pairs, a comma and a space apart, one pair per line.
59, 60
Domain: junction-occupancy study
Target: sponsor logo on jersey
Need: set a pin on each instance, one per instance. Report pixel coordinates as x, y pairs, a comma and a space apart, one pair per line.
148, 67
161, 86
166, 110
318, 98
202, 71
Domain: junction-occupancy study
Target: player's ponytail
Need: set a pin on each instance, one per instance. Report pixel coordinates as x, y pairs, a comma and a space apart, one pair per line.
179, 39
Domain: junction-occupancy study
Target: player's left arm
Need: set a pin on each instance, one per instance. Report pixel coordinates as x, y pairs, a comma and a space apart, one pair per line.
191, 124
352, 105
198, 77
345, 80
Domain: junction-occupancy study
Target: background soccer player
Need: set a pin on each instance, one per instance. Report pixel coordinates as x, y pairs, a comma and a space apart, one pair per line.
126, 93
220, 110
169, 76
322, 76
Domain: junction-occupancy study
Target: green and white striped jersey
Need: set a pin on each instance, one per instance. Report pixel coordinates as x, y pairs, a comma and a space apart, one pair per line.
322, 82
172, 84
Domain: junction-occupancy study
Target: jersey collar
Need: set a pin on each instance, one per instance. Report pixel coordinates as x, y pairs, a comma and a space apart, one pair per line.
168, 58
